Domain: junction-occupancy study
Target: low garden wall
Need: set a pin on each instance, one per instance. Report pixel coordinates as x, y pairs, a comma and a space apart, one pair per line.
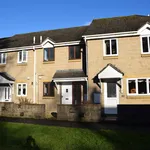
86, 112
22, 110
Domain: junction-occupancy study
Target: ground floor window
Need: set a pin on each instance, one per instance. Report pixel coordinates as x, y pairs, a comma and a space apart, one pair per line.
5, 93
21, 89
48, 89
138, 86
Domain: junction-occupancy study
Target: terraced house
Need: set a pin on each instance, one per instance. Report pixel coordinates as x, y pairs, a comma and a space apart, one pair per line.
105, 63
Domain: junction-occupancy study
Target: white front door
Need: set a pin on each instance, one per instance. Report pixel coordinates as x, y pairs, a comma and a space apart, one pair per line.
5, 94
67, 93
111, 98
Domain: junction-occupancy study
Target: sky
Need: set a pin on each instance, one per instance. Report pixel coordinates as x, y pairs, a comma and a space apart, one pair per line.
23, 16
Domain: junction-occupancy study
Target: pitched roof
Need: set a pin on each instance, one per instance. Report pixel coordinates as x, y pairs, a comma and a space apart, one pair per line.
71, 73
117, 24
59, 35
98, 26
113, 66
7, 76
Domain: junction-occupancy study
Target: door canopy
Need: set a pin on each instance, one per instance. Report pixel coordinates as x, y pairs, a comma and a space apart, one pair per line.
110, 71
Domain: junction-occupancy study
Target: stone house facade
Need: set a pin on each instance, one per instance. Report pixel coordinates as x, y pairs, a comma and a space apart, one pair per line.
105, 63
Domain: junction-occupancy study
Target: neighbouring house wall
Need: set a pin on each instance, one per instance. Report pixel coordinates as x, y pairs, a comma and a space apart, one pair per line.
22, 110
46, 71
129, 60
23, 73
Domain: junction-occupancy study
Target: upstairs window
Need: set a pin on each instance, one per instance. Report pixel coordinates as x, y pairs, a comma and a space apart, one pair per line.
110, 47
146, 44
48, 89
74, 52
22, 56
3, 58
49, 54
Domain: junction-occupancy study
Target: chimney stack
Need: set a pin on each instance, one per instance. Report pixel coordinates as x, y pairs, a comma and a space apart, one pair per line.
40, 39
34, 40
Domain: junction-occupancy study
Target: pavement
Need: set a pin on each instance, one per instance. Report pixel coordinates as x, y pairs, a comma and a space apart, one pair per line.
110, 125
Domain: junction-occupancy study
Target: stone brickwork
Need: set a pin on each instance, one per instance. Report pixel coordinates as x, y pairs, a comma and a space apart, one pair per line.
86, 112
22, 110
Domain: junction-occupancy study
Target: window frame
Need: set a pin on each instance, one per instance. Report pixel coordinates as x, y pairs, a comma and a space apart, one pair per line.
21, 95
136, 86
147, 36
49, 87
2, 56
44, 54
104, 47
22, 61
74, 52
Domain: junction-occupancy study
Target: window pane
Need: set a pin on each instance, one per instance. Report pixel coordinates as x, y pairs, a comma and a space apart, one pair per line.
45, 54
24, 89
8, 94
5, 93
132, 86
1, 58
77, 51
51, 55
145, 44
114, 47
142, 89
111, 90
45, 90
20, 56
24, 55
107, 43
4, 57
19, 89
71, 52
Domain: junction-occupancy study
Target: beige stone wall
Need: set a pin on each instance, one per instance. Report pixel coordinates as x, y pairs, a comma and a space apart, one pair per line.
47, 69
21, 72
130, 61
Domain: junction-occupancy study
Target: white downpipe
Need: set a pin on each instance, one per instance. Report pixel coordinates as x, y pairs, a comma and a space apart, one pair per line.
34, 76
86, 51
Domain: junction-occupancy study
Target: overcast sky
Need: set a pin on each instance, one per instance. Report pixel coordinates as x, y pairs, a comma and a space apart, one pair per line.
22, 16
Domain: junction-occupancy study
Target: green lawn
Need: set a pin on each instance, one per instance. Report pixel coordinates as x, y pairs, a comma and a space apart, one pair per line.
15, 135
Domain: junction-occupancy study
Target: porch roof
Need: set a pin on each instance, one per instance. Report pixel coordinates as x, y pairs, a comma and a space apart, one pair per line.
6, 78
110, 71
69, 75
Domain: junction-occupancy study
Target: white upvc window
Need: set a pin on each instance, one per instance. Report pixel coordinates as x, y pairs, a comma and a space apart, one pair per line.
3, 57
22, 89
5, 93
110, 47
138, 86
22, 56
145, 44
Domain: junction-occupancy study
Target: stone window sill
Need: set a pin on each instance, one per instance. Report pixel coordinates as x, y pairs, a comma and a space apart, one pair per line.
22, 64
48, 62
145, 55
48, 97
138, 97
2, 65
74, 60
110, 57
